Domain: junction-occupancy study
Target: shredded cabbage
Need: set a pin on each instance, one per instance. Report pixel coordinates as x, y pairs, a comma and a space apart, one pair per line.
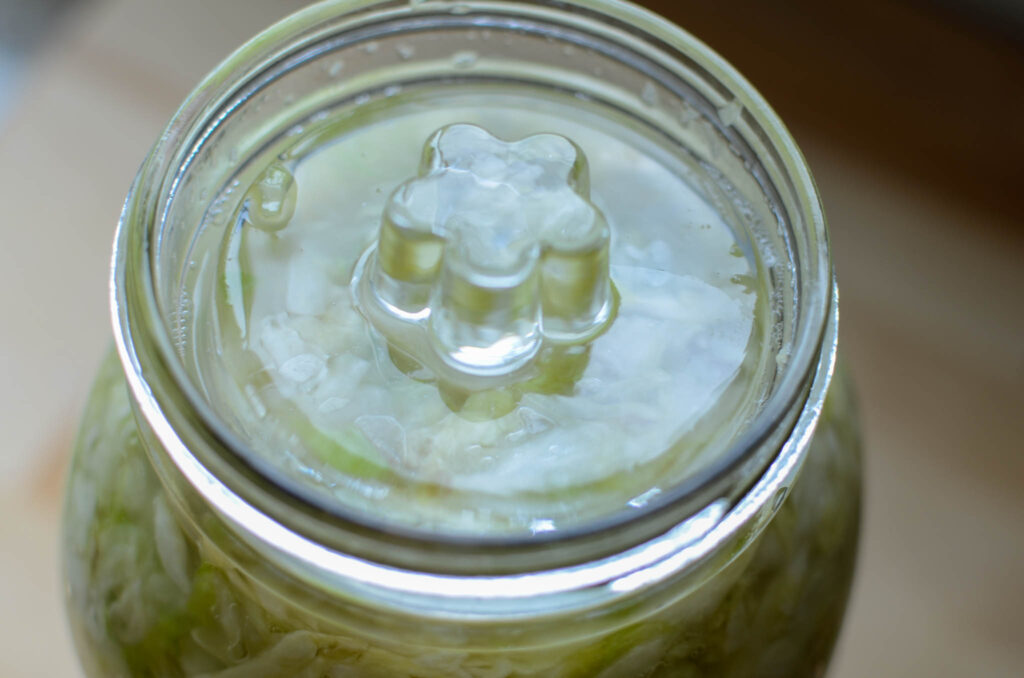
148, 597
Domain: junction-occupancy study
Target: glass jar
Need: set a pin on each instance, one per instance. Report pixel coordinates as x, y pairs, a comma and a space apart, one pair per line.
186, 554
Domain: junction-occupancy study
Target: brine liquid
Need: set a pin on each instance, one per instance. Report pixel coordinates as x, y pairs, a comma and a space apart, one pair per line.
588, 430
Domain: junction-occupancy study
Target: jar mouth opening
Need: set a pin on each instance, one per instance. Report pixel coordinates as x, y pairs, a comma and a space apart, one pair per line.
174, 402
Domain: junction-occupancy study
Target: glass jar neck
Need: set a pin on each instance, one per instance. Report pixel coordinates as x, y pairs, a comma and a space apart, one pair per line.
282, 77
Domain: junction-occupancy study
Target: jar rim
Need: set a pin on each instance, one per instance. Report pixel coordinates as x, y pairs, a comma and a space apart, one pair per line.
682, 512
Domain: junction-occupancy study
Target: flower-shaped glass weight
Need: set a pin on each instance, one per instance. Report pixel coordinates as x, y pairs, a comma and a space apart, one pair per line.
491, 251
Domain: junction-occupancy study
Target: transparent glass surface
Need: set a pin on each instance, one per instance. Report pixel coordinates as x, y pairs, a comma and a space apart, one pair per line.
458, 412
158, 589
355, 71
191, 550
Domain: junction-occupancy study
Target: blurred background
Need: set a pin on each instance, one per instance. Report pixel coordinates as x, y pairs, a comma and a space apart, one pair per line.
911, 115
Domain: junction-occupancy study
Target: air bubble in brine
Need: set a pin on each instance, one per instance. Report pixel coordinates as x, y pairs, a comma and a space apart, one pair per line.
270, 201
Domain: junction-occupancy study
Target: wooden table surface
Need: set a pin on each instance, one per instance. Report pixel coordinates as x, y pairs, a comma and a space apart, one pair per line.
932, 323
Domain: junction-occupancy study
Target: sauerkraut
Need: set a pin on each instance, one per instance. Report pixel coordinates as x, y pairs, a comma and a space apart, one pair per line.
152, 593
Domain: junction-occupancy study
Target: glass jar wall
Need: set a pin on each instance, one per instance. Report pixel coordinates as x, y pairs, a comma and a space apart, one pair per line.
189, 551
158, 589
